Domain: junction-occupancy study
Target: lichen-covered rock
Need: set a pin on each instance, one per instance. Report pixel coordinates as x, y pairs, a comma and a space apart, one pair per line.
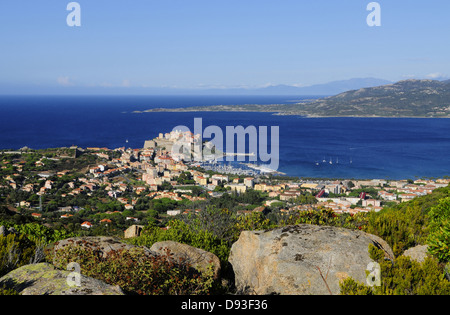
44, 279
417, 253
196, 257
301, 259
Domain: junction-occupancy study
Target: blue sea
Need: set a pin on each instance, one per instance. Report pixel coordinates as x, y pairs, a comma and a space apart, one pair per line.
382, 148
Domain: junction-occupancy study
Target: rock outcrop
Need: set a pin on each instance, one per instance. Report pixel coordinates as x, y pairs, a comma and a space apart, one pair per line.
197, 258
417, 253
133, 231
301, 259
44, 279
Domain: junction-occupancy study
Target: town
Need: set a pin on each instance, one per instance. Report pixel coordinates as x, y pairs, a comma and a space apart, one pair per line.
109, 190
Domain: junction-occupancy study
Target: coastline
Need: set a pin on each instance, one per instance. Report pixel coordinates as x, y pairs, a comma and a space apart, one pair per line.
229, 108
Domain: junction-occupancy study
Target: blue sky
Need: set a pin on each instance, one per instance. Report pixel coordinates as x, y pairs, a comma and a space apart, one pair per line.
216, 43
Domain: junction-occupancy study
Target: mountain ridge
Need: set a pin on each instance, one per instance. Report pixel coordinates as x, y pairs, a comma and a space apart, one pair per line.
406, 98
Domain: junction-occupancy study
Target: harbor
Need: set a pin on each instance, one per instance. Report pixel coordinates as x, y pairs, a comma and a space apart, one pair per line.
223, 167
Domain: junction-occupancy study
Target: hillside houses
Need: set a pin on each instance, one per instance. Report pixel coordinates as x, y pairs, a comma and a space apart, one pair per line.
387, 196
133, 180
264, 187
289, 194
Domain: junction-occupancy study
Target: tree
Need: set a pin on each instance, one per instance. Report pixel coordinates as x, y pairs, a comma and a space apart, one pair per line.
217, 221
165, 186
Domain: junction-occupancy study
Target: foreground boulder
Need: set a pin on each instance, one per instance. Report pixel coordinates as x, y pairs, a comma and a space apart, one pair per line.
44, 279
301, 259
182, 253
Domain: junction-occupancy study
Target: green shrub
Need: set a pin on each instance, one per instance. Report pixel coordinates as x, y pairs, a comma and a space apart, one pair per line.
137, 273
409, 224
400, 228
351, 287
15, 251
6, 291
216, 221
439, 237
402, 277
39, 233
327, 217
255, 221
181, 232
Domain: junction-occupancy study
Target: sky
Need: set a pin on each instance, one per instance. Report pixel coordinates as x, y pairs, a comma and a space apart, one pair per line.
218, 44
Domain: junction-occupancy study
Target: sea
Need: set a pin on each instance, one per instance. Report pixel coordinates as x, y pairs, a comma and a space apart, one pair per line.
341, 148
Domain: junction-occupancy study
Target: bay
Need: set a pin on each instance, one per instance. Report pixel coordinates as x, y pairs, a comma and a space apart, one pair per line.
391, 148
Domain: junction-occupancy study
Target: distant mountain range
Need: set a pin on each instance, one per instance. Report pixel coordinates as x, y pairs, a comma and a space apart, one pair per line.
409, 98
331, 88
325, 89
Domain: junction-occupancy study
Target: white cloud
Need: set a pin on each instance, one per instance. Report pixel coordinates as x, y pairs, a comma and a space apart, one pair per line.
105, 84
436, 75
64, 81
